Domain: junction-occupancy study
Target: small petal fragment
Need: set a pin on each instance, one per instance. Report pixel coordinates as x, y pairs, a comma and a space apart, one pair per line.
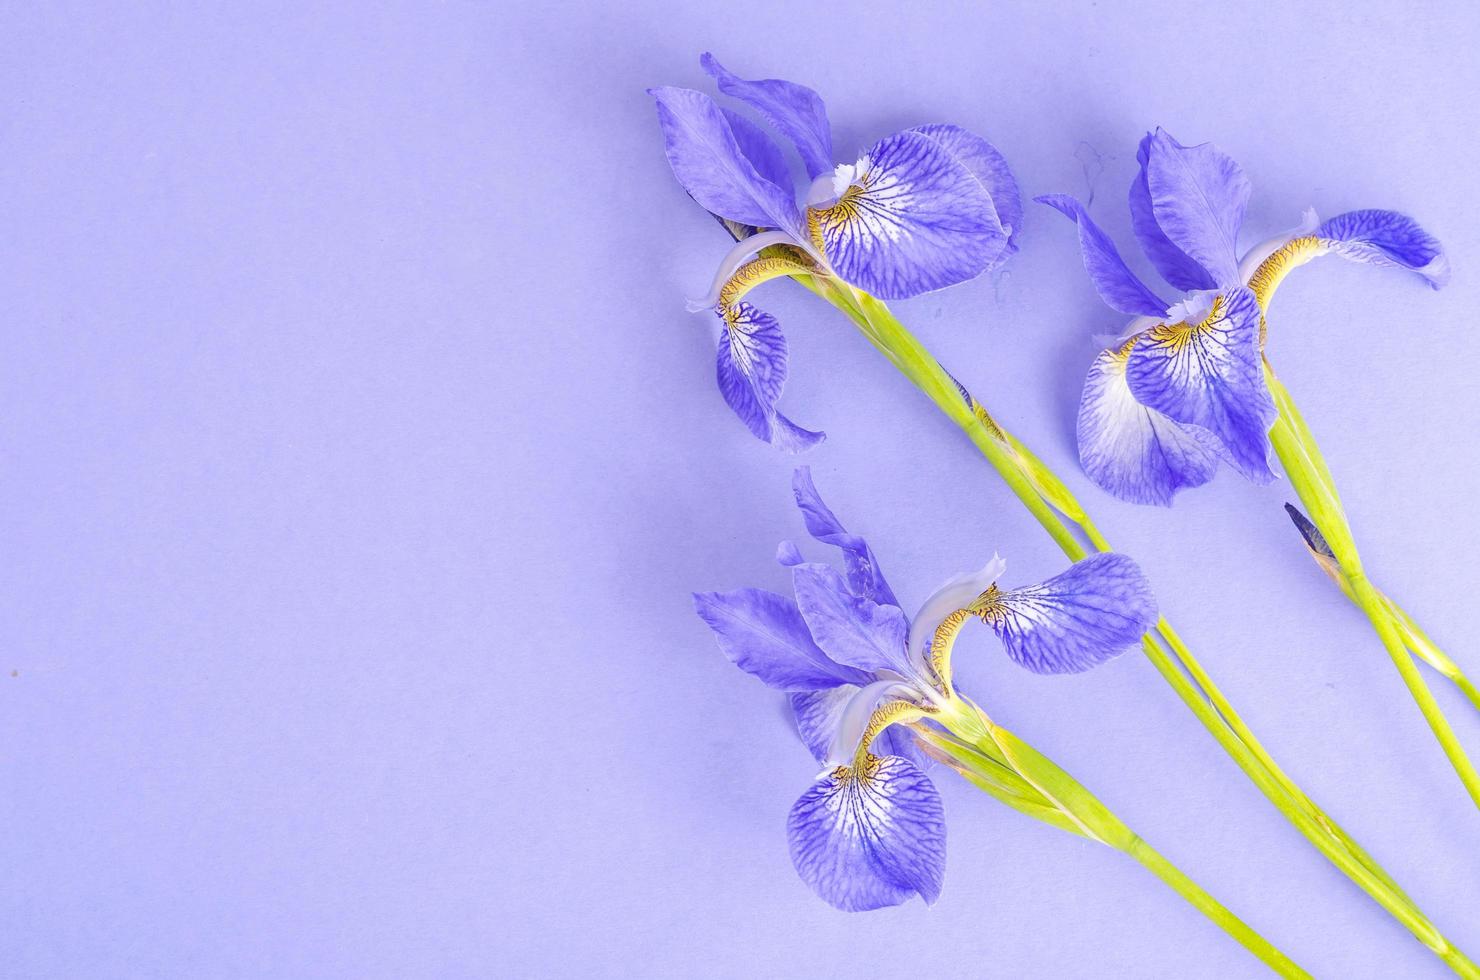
864, 576
914, 219
1117, 285
711, 166
1077, 619
1175, 265
1198, 196
1387, 238
1134, 452
750, 366
1210, 375
764, 635
796, 111
869, 838
850, 629
990, 168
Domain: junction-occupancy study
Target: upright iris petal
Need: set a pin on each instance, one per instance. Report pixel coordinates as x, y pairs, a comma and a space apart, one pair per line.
711, 166
864, 576
1386, 238
796, 111
1175, 265
764, 635
1117, 285
1134, 452
1198, 196
762, 152
870, 837
750, 366
1076, 620
1209, 374
913, 219
852, 630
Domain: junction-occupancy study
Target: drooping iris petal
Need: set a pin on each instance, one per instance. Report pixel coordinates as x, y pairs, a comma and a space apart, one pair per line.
1078, 619
817, 716
1175, 266
1117, 285
1386, 238
1198, 195
1134, 452
868, 838
864, 576
796, 111
710, 165
764, 635
989, 167
957, 592
852, 630
914, 219
759, 149
1209, 375
750, 366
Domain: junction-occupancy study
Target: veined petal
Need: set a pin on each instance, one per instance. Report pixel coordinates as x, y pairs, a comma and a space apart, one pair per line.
864, 576
990, 168
1386, 238
870, 837
818, 714
1209, 375
852, 630
1175, 265
1117, 285
956, 592
764, 635
914, 219
750, 366
796, 111
1198, 196
709, 163
759, 149
1076, 620
1134, 452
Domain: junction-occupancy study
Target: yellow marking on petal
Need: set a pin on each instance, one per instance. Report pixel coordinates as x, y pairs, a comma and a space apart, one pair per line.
891, 713
989, 607
1176, 336
1273, 270
941, 645
757, 271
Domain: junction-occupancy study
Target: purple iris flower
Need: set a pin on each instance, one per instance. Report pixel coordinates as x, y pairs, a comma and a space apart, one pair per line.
1185, 387
870, 831
920, 210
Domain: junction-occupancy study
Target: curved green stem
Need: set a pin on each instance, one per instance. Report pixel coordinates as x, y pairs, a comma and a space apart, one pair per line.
1026, 476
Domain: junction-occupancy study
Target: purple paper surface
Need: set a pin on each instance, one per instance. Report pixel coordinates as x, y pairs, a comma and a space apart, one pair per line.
357, 460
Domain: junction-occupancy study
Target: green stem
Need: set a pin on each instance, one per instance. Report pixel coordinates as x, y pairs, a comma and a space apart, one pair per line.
1013, 464
1311, 482
1418, 641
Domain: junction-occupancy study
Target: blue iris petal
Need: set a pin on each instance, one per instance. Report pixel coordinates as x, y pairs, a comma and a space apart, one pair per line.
817, 715
764, 634
914, 219
750, 366
1210, 375
796, 111
870, 838
1077, 619
1198, 195
1134, 452
709, 163
850, 629
990, 168
1386, 238
1117, 285
864, 576
759, 149
1175, 266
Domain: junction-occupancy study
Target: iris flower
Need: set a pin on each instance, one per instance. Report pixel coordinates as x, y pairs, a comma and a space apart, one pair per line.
919, 210
1191, 386
1185, 389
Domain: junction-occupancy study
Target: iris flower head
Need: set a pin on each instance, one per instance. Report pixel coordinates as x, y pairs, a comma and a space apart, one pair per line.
870, 830
923, 209
1184, 389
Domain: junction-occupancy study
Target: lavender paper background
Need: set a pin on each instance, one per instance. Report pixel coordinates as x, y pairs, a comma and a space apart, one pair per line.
357, 459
